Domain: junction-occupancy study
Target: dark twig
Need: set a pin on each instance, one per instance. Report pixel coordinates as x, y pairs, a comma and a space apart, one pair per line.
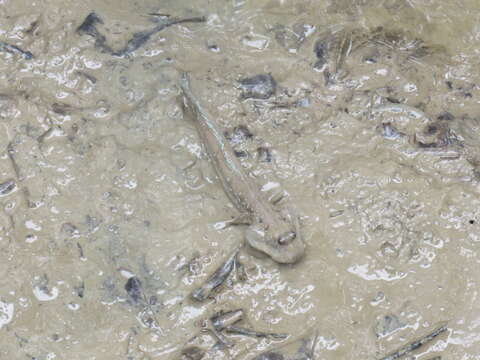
417, 343
138, 39
16, 170
216, 279
13, 49
249, 332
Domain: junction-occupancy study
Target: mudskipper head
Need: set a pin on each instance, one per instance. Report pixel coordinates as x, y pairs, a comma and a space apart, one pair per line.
283, 245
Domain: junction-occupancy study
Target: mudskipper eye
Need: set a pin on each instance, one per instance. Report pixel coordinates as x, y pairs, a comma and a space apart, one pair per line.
287, 238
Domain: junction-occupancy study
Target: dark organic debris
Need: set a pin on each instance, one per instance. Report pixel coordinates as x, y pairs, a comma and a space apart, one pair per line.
87, 76
260, 86
89, 27
213, 47
45, 134
80, 290
435, 135
227, 321
264, 154
222, 320
222, 341
13, 49
7, 187
445, 116
291, 38
137, 40
16, 169
80, 251
61, 108
270, 355
140, 38
133, 287
393, 100
192, 353
417, 343
463, 89
239, 135
216, 279
321, 50
331, 50
69, 229
249, 332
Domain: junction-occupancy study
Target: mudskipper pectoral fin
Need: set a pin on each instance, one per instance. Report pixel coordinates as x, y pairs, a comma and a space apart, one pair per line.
242, 219
292, 215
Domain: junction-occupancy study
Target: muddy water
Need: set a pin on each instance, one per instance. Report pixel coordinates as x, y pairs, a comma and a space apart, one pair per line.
116, 213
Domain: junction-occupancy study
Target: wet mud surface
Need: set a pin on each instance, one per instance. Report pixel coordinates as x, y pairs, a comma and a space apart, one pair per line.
362, 116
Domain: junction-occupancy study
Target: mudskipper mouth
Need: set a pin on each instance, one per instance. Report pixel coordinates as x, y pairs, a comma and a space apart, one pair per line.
287, 238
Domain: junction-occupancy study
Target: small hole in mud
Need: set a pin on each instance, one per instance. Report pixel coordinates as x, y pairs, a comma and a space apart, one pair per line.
471, 222
431, 129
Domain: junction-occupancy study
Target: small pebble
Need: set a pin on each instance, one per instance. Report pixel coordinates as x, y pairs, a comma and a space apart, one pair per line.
240, 153
260, 86
387, 325
133, 287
